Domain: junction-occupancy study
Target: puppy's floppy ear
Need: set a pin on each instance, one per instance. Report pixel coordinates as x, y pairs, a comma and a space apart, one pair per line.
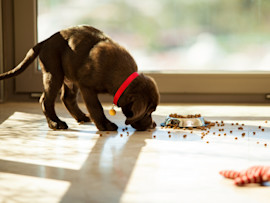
138, 109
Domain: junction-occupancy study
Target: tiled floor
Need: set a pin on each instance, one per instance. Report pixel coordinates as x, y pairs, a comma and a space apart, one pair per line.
78, 165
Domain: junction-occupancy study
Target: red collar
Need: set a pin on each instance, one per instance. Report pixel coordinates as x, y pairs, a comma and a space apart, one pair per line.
123, 87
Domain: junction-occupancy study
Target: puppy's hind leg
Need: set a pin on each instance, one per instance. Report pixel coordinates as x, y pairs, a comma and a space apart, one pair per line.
69, 98
52, 85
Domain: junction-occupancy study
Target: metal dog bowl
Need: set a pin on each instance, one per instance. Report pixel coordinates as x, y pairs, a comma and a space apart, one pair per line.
184, 122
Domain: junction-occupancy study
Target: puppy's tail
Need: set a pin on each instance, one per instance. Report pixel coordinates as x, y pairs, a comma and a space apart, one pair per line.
29, 58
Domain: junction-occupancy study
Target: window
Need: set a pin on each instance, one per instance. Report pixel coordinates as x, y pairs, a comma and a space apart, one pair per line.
174, 35
196, 50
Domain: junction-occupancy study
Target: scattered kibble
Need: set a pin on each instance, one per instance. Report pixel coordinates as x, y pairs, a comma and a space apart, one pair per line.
207, 142
154, 136
100, 135
206, 130
121, 135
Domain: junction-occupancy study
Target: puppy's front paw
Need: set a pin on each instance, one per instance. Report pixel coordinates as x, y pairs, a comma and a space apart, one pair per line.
108, 126
57, 125
111, 127
83, 119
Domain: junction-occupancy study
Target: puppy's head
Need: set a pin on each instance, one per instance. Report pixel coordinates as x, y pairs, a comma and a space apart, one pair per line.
140, 101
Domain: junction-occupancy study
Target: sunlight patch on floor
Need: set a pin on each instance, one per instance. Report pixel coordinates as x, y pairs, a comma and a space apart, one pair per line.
32, 142
19, 188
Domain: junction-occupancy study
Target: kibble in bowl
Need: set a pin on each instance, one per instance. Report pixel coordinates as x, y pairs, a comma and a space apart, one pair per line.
188, 121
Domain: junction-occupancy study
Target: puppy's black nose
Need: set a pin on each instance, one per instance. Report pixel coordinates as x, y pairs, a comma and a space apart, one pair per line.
153, 125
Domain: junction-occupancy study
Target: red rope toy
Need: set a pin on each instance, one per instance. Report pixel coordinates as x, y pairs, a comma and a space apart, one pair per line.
255, 174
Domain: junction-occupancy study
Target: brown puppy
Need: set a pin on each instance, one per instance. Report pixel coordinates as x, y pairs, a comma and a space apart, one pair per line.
83, 58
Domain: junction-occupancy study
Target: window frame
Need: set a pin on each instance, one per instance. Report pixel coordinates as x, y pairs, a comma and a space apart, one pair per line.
1, 55
25, 37
183, 84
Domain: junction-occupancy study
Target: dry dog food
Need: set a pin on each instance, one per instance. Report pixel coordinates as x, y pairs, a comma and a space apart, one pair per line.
175, 115
208, 126
176, 121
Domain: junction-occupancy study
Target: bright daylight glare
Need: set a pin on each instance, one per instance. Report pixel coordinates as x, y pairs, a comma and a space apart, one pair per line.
173, 35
